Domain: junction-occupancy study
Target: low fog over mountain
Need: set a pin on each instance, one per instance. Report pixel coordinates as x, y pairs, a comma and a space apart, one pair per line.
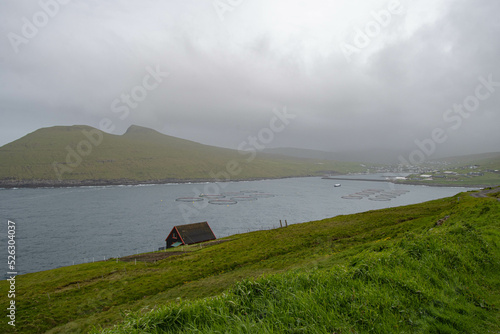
341, 76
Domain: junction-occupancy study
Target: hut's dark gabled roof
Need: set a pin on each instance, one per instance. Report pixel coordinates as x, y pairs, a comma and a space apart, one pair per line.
197, 232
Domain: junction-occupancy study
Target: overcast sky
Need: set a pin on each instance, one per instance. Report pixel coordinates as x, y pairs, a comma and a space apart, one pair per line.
356, 75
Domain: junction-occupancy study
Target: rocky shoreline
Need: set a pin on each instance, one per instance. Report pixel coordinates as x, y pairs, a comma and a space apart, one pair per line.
426, 183
414, 183
10, 184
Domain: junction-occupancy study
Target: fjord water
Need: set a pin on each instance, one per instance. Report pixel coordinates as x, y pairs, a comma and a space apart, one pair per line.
63, 226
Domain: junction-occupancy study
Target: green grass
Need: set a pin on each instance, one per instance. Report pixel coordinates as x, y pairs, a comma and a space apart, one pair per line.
429, 280
495, 195
486, 180
383, 271
142, 155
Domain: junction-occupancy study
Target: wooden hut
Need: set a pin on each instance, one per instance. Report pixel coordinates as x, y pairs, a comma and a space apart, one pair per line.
189, 234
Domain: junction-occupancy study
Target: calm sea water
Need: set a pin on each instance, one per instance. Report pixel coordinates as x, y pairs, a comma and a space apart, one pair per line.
63, 226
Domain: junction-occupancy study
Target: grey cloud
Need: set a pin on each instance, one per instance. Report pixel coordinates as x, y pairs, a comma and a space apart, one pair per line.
226, 77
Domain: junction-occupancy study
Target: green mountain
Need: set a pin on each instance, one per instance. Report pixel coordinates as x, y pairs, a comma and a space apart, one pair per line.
424, 268
486, 160
84, 155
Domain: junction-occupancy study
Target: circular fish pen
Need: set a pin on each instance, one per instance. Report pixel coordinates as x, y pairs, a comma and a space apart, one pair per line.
227, 197
387, 194
371, 192
376, 194
362, 194
222, 201
189, 199
231, 193
243, 198
401, 192
261, 195
379, 198
210, 196
352, 197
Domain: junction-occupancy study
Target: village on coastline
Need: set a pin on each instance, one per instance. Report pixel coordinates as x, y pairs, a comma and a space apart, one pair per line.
434, 173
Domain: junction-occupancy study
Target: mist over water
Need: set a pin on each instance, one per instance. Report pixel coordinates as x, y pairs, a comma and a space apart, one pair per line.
61, 226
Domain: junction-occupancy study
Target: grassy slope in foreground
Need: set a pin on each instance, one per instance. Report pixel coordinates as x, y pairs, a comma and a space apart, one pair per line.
429, 279
140, 154
391, 270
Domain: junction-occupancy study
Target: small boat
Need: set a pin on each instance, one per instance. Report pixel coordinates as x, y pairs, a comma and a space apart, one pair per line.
336, 185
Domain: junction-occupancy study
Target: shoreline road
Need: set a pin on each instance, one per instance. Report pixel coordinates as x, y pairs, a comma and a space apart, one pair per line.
484, 193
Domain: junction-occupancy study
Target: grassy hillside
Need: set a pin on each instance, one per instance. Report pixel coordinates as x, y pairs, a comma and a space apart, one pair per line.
65, 153
393, 270
486, 160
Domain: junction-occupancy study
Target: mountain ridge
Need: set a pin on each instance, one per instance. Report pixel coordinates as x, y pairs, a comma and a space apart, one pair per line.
83, 155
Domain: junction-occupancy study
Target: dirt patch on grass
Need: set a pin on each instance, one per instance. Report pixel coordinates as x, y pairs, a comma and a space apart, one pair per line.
215, 242
487, 192
157, 256
150, 257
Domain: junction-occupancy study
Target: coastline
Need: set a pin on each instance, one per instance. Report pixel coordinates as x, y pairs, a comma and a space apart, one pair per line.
11, 184
415, 183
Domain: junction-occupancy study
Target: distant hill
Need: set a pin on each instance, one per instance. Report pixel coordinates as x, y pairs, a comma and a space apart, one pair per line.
75, 155
377, 156
485, 160
387, 157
